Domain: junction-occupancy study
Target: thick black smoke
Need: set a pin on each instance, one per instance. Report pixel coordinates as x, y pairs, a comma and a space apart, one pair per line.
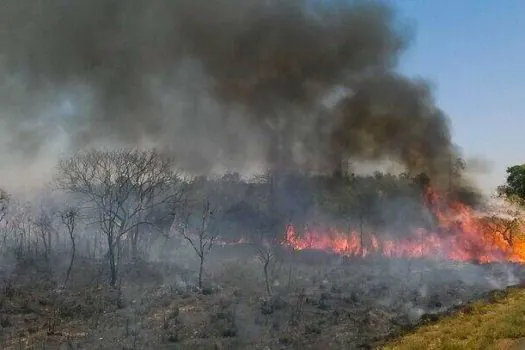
391, 115
218, 81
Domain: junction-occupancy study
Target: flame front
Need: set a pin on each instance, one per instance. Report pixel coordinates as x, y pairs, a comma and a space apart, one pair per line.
461, 235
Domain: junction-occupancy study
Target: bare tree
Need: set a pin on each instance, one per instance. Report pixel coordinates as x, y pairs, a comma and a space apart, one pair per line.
267, 256
4, 204
44, 226
204, 238
21, 229
69, 219
120, 187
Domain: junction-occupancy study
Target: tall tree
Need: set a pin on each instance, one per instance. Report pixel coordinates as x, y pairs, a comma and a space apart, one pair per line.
69, 220
122, 187
514, 186
201, 235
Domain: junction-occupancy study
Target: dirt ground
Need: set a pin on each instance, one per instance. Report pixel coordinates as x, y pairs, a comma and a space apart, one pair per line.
317, 301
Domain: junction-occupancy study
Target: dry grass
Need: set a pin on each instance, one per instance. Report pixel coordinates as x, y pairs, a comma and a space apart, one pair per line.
323, 305
498, 323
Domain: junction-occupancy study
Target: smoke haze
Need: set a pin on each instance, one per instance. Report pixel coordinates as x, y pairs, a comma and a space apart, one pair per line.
223, 84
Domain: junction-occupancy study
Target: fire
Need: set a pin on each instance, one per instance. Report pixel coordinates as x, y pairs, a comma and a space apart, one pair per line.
461, 235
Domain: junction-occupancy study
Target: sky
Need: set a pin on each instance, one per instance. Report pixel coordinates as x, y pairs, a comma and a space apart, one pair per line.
473, 52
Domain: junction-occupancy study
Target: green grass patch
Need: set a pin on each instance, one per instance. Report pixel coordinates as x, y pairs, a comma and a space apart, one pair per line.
496, 323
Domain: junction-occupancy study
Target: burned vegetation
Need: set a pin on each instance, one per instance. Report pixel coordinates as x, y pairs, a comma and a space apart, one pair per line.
141, 245
129, 254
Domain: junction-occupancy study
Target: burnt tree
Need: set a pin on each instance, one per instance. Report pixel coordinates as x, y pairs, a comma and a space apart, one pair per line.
120, 188
4, 204
267, 255
69, 219
44, 226
202, 236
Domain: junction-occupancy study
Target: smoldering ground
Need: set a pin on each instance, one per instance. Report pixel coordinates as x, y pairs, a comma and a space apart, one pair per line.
235, 84
225, 84
317, 300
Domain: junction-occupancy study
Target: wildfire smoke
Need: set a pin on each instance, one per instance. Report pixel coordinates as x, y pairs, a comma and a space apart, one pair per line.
238, 83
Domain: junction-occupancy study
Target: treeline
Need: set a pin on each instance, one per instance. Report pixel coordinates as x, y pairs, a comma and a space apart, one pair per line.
269, 202
115, 204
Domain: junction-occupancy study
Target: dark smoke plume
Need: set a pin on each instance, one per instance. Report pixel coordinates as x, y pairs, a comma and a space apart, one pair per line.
391, 115
218, 81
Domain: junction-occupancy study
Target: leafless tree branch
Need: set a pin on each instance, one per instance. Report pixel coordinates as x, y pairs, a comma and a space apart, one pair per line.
123, 188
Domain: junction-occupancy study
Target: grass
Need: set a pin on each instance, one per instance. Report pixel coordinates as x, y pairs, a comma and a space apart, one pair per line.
497, 323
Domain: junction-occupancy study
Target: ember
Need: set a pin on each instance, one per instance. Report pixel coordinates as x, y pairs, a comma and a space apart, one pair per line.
461, 235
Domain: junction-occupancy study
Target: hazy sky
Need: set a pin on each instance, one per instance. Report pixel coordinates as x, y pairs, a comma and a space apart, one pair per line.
471, 50
474, 52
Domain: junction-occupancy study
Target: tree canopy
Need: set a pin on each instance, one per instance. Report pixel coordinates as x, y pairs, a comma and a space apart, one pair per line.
514, 187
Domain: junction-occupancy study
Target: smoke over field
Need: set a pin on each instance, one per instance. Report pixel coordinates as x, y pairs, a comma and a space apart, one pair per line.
228, 84
208, 187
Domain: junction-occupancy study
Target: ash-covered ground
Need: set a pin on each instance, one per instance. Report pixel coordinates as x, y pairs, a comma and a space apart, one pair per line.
316, 300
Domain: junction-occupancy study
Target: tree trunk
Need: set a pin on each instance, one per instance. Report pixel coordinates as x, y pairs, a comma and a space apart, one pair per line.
57, 238
112, 262
70, 267
44, 243
201, 270
134, 244
266, 277
291, 268
4, 247
119, 254
49, 234
361, 234
95, 243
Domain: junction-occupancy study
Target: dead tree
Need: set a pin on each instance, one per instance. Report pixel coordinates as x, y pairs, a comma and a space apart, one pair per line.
44, 226
267, 256
21, 227
361, 207
4, 205
119, 188
69, 219
204, 238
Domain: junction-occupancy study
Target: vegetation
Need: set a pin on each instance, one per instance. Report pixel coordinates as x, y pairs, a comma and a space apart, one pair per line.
123, 222
203, 239
121, 189
514, 187
126, 199
4, 203
493, 324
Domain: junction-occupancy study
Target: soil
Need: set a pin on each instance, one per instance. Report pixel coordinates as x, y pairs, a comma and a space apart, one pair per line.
317, 301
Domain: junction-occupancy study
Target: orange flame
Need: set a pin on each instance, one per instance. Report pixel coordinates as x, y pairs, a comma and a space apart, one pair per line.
461, 236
